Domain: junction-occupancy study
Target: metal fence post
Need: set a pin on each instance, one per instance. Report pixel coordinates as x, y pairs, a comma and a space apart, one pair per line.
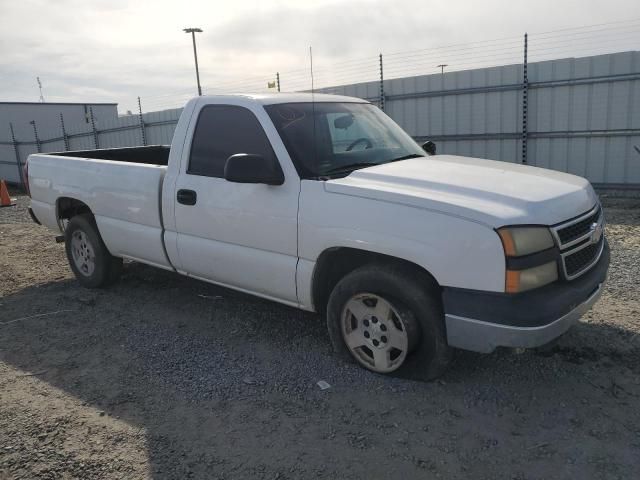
142, 127
93, 126
35, 134
278, 80
65, 137
381, 85
525, 98
17, 153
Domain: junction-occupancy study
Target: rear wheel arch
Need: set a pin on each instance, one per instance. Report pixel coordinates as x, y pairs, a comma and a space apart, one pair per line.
68, 207
335, 263
88, 256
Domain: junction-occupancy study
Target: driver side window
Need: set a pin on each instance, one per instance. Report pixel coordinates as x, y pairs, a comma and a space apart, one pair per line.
222, 131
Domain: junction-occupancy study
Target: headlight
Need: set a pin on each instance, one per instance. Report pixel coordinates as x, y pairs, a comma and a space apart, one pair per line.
519, 241
534, 271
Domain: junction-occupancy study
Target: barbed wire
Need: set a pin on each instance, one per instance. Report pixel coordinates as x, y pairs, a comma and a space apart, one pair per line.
545, 45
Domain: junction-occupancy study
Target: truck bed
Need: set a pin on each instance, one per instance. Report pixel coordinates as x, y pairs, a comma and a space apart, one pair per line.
122, 187
151, 155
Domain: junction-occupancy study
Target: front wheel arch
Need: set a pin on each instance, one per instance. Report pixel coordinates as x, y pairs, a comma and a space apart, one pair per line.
414, 300
336, 262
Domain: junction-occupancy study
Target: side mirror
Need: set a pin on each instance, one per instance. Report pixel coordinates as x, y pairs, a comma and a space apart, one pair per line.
429, 147
251, 168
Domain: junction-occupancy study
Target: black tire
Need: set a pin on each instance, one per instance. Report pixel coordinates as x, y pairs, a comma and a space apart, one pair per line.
106, 269
415, 297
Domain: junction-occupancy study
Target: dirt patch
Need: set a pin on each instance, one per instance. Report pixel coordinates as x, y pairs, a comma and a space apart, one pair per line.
162, 376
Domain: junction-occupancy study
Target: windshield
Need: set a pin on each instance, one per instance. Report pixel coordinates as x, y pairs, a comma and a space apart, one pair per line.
344, 137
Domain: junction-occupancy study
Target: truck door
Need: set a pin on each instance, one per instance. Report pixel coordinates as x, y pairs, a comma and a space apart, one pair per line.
237, 234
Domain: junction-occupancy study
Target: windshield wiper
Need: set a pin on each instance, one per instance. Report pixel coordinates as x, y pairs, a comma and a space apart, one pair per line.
350, 167
354, 166
407, 157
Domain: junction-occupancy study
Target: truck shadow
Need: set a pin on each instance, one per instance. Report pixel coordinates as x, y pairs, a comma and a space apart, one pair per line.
224, 384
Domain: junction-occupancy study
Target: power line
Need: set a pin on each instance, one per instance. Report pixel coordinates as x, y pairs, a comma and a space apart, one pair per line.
507, 50
587, 26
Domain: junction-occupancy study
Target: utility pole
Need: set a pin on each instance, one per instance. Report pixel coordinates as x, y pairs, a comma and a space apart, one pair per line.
381, 85
17, 154
96, 141
193, 32
143, 130
525, 99
35, 135
65, 137
442, 65
40, 87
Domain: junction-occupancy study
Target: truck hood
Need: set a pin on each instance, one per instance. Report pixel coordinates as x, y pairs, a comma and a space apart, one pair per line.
486, 191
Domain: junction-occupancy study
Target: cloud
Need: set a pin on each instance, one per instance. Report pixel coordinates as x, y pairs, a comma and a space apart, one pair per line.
338, 30
115, 50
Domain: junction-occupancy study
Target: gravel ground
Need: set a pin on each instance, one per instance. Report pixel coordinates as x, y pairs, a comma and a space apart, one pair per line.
162, 376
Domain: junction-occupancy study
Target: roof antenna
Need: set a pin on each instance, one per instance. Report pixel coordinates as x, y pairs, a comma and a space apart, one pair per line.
313, 107
311, 67
40, 87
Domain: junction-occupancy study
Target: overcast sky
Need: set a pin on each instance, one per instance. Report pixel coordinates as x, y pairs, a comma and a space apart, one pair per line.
115, 50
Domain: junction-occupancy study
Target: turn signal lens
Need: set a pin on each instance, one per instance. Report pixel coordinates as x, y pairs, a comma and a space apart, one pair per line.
512, 281
522, 280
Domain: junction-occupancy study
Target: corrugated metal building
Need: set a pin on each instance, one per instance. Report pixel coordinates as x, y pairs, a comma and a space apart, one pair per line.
46, 116
583, 113
583, 117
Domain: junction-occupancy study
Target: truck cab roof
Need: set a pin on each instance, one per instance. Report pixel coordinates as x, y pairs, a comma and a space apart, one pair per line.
275, 98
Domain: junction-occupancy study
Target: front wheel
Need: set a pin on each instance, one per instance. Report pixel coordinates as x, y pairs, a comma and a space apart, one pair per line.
390, 321
91, 262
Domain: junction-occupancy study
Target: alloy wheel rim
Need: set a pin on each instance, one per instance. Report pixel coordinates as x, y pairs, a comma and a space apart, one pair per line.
83, 253
374, 332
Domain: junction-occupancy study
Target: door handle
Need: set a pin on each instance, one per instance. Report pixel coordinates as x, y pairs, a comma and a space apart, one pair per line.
187, 197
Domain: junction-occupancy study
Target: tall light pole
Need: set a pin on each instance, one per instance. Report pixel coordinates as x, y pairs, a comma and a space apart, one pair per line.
193, 32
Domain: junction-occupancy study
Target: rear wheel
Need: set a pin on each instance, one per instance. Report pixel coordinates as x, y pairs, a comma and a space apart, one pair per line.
390, 321
89, 259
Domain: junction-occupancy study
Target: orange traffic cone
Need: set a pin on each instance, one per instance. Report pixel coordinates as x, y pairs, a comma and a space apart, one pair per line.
5, 200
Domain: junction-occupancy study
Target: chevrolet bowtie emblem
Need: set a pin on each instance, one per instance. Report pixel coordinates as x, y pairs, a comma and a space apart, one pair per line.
596, 232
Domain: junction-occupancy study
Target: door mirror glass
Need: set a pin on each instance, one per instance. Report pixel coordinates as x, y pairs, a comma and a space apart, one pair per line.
429, 147
252, 168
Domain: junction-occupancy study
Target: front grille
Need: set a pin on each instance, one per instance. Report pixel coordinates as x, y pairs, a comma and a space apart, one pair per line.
572, 232
575, 263
575, 239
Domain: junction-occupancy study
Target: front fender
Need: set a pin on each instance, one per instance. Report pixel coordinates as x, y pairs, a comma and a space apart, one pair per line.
455, 251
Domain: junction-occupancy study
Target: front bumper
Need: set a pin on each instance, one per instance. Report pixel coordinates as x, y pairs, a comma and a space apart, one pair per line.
482, 321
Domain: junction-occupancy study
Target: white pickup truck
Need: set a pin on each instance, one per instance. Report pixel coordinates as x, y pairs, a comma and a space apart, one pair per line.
324, 203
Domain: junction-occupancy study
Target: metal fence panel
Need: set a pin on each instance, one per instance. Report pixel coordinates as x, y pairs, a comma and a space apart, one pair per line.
583, 117
8, 168
160, 126
121, 132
